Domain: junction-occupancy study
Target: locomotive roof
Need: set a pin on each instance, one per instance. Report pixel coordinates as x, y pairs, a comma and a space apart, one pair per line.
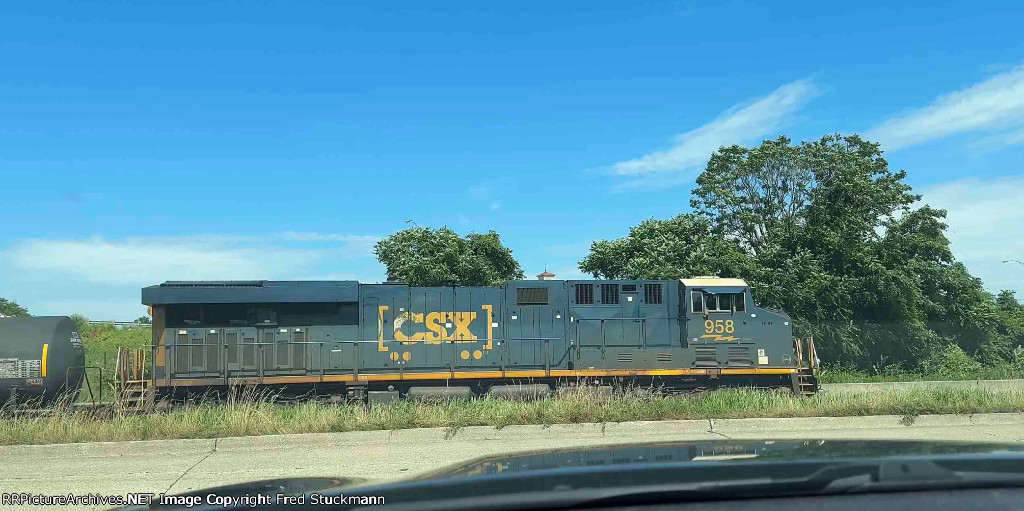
713, 282
251, 291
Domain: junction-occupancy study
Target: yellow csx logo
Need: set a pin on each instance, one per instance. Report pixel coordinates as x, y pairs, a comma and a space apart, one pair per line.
437, 326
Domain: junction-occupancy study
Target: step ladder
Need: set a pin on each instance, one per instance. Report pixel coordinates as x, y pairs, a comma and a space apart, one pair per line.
132, 392
807, 384
805, 380
136, 396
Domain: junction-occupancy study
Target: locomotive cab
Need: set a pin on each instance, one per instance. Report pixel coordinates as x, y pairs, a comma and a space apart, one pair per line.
725, 328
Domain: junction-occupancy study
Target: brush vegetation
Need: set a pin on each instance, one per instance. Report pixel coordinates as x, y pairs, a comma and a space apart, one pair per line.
252, 414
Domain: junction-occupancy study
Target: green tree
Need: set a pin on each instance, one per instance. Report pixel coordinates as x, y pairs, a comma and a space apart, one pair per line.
679, 247
1011, 318
421, 256
825, 231
81, 323
11, 308
752, 193
143, 320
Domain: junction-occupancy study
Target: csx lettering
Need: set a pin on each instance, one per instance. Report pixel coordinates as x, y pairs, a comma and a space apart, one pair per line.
435, 327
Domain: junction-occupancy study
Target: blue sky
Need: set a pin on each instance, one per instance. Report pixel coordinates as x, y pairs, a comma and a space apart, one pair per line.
145, 141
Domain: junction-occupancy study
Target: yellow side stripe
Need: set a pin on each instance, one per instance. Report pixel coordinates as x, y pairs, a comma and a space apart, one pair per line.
42, 364
467, 375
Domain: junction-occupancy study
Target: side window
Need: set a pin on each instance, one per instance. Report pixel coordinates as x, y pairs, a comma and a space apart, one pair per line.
740, 303
697, 301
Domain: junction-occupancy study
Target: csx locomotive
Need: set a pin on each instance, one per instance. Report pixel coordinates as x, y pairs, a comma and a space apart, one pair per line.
382, 341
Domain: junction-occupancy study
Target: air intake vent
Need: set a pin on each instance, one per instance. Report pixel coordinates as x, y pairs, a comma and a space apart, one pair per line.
629, 288
664, 357
625, 357
652, 293
706, 356
531, 296
609, 293
584, 294
740, 356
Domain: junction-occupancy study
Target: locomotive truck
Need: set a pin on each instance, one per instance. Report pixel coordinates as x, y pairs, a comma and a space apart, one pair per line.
379, 342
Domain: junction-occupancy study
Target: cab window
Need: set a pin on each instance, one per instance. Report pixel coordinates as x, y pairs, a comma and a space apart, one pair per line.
719, 302
725, 302
696, 301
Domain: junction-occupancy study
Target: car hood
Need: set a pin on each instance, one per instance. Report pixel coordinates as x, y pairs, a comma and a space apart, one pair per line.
605, 471
708, 451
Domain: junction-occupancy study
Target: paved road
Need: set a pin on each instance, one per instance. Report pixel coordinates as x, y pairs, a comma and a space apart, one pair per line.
180, 465
1003, 385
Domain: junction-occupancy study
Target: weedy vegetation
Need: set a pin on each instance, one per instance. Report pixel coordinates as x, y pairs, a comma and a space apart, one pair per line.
253, 413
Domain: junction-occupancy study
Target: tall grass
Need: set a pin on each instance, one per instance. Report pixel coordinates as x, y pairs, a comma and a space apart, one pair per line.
248, 415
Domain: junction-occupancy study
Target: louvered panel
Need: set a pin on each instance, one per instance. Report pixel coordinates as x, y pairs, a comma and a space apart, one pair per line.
706, 356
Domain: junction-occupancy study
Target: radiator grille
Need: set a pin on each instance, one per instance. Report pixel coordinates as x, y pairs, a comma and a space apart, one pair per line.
652, 293
609, 293
531, 296
706, 356
739, 356
584, 294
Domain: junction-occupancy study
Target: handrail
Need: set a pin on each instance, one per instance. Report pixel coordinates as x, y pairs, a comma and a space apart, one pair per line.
260, 361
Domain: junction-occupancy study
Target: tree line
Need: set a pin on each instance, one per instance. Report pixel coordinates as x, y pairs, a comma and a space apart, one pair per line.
823, 230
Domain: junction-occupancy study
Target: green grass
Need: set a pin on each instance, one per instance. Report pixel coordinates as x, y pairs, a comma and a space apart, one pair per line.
252, 417
845, 375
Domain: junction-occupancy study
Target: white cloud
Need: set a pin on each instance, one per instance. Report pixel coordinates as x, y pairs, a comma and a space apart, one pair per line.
986, 226
1000, 140
989, 105
739, 124
147, 260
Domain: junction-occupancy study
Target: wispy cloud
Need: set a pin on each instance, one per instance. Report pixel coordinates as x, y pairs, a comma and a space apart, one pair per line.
741, 123
989, 105
146, 260
986, 227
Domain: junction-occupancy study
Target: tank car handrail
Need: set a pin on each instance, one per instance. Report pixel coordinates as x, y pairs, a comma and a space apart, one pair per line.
85, 378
